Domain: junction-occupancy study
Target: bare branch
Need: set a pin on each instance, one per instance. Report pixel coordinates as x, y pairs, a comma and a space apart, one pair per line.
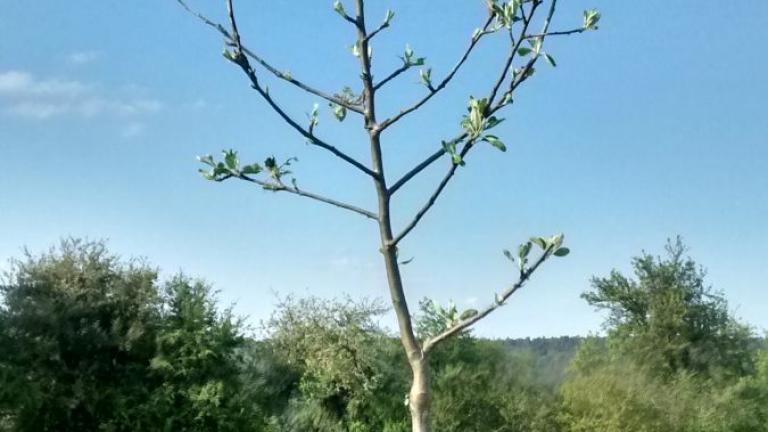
513, 52
433, 198
475, 39
266, 65
393, 75
423, 165
349, 19
557, 33
241, 60
524, 73
304, 132
370, 36
502, 298
233, 23
514, 83
280, 187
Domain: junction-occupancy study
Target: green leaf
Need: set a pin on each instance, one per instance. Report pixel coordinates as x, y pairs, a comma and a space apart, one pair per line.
314, 117
591, 18
253, 168
231, 159
270, 163
229, 55
492, 122
509, 256
408, 53
450, 148
550, 60
540, 242
426, 76
339, 111
207, 159
467, 314
207, 174
339, 8
388, 17
524, 51
523, 250
557, 240
499, 299
563, 251
495, 141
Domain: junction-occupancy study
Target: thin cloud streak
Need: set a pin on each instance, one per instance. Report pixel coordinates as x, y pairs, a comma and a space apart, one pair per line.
23, 95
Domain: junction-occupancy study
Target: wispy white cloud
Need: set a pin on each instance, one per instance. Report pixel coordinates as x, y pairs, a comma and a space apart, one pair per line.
197, 104
133, 129
20, 84
24, 95
83, 57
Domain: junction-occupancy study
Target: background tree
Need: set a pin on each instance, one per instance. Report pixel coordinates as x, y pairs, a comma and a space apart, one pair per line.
669, 318
674, 359
89, 342
349, 371
516, 20
198, 365
78, 330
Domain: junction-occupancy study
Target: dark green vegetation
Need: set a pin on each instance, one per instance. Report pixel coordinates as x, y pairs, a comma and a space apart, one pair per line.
89, 342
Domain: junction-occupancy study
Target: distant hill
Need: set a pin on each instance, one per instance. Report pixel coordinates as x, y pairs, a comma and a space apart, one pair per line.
548, 357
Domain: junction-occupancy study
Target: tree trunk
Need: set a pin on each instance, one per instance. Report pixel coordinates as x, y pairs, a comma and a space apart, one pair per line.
420, 395
420, 398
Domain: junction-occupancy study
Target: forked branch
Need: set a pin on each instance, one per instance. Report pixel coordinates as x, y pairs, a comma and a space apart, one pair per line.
500, 300
280, 187
433, 198
515, 81
285, 76
242, 61
442, 84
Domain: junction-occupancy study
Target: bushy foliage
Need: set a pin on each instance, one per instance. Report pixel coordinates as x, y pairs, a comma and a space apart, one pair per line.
89, 342
674, 359
349, 369
670, 318
78, 329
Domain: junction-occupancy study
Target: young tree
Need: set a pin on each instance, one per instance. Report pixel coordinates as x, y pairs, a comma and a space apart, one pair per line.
516, 20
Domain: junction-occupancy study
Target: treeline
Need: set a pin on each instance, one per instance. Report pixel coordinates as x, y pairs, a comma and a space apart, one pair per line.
90, 342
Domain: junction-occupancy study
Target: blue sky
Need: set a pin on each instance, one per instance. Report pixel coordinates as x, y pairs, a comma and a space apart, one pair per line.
651, 127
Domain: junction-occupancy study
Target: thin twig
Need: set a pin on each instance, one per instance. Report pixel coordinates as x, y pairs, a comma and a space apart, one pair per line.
464, 324
423, 165
242, 61
393, 75
557, 33
475, 39
524, 73
233, 23
516, 81
266, 65
304, 132
375, 32
513, 52
433, 198
280, 187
